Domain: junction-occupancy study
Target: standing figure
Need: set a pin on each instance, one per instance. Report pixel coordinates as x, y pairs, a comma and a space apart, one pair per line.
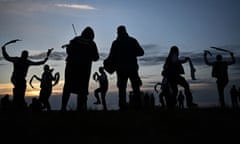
46, 85
173, 70
81, 52
239, 94
123, 59
20, 69
103, 87
220, 72
234, 96
35, 105
180, 100
5, 103
163, 92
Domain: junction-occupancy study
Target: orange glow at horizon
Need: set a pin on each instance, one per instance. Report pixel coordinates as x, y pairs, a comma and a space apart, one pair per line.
6, 88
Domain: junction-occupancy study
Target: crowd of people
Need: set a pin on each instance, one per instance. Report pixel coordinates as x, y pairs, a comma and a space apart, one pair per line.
82, 51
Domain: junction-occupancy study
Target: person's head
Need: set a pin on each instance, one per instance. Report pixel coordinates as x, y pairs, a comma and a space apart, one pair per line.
174, 50
219, 57
46, 68
88, 33
121, 30
101, 69
24, 54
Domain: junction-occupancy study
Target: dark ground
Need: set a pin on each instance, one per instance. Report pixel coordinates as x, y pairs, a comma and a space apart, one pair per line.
201, 125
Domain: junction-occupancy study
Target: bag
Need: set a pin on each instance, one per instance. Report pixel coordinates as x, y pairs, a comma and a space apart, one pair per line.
109, 65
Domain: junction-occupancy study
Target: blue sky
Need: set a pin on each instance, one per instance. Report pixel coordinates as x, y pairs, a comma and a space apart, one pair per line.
192, 25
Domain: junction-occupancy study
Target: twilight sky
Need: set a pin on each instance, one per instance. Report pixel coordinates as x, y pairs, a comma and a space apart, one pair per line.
192, 25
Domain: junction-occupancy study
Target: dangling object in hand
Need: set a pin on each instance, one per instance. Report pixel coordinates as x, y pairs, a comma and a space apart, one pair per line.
49, 51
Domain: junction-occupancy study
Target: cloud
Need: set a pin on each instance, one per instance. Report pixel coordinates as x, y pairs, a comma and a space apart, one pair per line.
27, 8
53, 56
58, 56
76, 6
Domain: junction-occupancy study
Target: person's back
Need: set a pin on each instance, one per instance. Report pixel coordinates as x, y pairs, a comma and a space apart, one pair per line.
220, 72
127, 50
173, 65
219, 67
81, 52
123, 57
47, 79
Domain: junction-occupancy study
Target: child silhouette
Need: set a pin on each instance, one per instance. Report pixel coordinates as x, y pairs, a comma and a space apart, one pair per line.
46, 86
103, 86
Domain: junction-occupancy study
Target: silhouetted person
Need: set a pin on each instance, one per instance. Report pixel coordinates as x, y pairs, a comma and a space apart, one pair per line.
161, 94
239, 94
220, 72
46, 85
5, 103
123, 56
165, 94
103, 87
35, 105
81, 52
20, 69
234, 96
173, 70
180, 100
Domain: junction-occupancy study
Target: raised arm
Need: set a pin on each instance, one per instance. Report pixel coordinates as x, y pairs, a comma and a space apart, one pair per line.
39, 62
205, 58
34, 76
4, 52
43, 61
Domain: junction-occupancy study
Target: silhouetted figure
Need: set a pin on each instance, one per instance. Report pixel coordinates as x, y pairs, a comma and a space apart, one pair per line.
165, 93
5, 103
234, 96
180, 100
220, 72
173, 70
239, 94
35, 105
103, 87
46, 85
81, 52
123, 59
20, 69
